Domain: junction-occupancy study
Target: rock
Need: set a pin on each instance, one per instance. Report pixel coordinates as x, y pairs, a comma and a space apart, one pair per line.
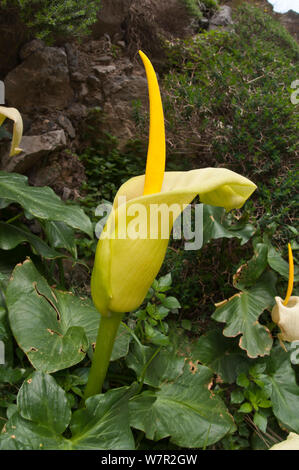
34, 147
291, 22
41, 81
66, 124
31, 47
222, 19
121, 44
204, 23
96, 99
122, 92
93, 82
103, 70
63, 172
111, 17
104, 60
77, 77
77, 111
132, 88
83, 90
72, 56
111, 87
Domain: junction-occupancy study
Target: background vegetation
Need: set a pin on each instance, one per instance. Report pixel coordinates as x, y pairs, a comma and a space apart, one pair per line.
49, 19
227, 103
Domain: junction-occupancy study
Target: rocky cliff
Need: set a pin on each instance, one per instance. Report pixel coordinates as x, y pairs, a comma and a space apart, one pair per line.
57, 87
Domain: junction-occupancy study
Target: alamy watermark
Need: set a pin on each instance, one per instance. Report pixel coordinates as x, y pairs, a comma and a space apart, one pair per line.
295, 94
294, 357
2, 353
2, 92
151, 222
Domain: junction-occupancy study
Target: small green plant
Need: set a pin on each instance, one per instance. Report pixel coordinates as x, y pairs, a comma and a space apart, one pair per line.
150, 324
48, 19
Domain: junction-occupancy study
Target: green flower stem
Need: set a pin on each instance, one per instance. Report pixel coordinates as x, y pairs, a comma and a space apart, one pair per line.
101, 357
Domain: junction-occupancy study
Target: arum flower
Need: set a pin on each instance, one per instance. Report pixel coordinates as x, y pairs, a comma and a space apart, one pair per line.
15, 116
286, 312
291, 443
125, 264
127, 259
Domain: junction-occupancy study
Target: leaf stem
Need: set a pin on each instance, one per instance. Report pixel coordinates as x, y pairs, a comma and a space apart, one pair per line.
14, 218
105, 340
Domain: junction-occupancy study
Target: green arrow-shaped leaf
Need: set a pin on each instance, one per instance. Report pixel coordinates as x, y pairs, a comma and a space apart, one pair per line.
104, 423
152, 367
61, 235
185, 409
241, 314
215, 226
11, 236
53, 328
285, 390
42, 202
43, 414
221, 355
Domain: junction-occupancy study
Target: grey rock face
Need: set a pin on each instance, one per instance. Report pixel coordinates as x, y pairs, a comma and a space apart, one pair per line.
222, 19
34, 147
41, 80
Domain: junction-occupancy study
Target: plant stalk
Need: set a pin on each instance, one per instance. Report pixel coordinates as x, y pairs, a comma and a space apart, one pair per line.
101, 357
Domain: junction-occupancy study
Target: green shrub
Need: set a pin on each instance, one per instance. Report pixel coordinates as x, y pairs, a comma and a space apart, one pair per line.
229, 105
196, 7
49, 19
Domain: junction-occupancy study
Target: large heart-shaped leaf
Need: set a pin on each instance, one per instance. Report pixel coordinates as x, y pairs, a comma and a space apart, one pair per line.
185, 409
43, 414
154, 366
42, 202
285, 390
53, 328
249, 273
104, 423
277, 263
11, 236
241, 314
215, 226
42, 401
61, 235
221, 355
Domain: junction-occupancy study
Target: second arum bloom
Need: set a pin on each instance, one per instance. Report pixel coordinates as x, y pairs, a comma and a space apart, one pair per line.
125, 265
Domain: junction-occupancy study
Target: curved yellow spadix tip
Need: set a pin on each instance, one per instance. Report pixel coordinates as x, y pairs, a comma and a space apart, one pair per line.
14, 115
155, 164
291, 276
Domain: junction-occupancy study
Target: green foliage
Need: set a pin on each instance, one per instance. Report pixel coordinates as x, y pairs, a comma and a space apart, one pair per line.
43, 413
180, 405
150, 324
54, 329
41, 203
48, 19
196, 7
173, 368
106, 168
241, 314
225, 104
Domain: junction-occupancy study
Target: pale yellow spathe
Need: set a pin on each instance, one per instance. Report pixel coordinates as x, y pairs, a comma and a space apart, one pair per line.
287, 318
14, 115
125, 268
291, 443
